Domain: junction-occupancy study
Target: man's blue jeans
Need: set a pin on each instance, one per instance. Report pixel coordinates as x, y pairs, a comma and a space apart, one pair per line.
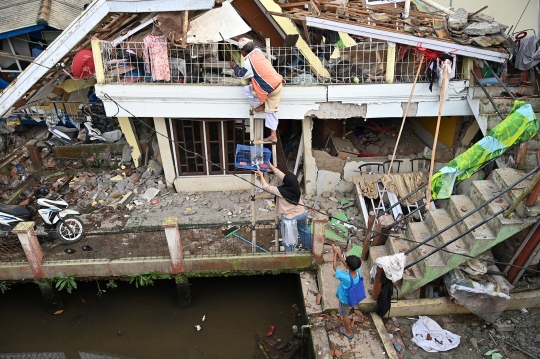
303, 231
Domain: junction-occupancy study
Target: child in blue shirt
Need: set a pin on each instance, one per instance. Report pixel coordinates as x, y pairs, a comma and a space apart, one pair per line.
352, 263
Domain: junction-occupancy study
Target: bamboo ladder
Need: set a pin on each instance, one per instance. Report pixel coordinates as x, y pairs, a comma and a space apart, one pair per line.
260, 143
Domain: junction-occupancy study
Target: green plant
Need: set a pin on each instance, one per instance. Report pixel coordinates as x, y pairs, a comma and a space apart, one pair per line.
65, 282
112, 284
4, 287
146, 278
494, 354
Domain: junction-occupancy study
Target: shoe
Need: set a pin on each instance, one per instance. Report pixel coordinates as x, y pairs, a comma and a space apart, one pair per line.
342, 331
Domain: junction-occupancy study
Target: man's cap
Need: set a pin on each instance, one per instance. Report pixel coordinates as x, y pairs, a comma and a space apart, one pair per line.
243, 41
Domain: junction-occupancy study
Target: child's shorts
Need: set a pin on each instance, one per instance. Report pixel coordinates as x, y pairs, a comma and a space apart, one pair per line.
344, 309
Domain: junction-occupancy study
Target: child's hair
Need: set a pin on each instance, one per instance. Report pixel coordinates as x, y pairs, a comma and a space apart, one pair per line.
353, 262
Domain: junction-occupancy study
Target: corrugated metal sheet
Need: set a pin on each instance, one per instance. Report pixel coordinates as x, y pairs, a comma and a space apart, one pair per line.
63, 12
16, 14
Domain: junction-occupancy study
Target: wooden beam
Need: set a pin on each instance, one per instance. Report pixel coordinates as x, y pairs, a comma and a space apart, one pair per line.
390, 62
294, 4
98, 61
185, 29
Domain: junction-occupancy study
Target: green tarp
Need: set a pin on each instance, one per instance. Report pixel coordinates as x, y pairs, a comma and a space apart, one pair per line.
519, 126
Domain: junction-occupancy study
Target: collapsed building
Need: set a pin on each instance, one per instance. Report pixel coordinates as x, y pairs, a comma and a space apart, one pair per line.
373, 106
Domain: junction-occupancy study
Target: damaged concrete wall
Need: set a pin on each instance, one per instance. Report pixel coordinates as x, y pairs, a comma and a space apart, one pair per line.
212, 183
338, 110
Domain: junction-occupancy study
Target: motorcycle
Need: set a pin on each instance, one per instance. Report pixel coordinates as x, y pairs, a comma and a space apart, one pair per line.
57, 219
92, 133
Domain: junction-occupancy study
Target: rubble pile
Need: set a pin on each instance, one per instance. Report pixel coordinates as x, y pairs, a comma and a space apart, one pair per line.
481, 30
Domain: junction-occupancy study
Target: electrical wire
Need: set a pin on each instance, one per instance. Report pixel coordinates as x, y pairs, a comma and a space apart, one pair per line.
299, 204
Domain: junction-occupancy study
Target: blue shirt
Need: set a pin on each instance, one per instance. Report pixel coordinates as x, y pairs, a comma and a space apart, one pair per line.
345, 284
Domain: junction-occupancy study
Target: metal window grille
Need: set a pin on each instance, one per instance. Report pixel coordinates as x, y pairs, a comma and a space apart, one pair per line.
11, 250
363, 63
138, 244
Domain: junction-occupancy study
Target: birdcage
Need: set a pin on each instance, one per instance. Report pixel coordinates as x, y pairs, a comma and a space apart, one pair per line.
252, 158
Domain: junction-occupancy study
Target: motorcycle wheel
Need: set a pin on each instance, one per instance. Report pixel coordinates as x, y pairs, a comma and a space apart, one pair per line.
64, 234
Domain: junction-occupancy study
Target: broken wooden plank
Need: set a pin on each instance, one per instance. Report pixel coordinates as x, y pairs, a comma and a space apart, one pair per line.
385, 338
294, 4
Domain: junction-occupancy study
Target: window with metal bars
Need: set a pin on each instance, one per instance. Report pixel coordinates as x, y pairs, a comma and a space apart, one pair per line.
212, 139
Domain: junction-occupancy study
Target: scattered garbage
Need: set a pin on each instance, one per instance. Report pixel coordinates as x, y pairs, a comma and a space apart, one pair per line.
428, 335
487, 300
150, 194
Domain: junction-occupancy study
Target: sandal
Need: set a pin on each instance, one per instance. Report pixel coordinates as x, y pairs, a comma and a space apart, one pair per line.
342, 331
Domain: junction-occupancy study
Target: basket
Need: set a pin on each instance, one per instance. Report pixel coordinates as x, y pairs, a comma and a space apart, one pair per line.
252, 158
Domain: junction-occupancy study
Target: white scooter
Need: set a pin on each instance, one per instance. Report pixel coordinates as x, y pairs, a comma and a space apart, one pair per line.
57, 219
93, 134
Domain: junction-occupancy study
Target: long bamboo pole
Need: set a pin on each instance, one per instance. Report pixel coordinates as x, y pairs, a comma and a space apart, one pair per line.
405, 114
434, 148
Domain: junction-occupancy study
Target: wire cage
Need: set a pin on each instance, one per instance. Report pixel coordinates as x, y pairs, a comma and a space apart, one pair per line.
252, 158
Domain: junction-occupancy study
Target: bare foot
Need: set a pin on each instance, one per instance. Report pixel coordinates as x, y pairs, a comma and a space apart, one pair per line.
270, 139
259, 109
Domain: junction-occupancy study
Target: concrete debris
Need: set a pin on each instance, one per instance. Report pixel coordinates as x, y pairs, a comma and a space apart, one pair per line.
155, 167
503, 326
482, 28
149, 194
459, 19
126, 154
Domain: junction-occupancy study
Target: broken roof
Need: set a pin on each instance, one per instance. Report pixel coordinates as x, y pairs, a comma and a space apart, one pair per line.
100, 20
426, 29
18, 14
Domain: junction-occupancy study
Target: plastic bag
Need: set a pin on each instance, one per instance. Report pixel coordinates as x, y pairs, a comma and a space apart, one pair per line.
290, 232
487, 301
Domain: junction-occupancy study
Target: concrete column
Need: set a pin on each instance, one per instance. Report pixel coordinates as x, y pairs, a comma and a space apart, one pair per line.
170, 225
310, 168
98, 60
319, 226
35, 157
52, 298
183, 291
126, 125
390, 62
32, 249
165, 151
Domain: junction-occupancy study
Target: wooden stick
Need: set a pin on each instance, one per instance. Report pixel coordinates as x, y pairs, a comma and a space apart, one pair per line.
405, 114
522, 196
367, 237
434, 150
479, 11
185, 28
306, 32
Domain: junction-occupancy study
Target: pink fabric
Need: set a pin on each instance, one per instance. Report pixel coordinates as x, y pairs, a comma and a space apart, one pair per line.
156, 57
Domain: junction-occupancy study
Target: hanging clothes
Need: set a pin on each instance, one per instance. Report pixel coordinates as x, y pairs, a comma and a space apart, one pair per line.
446, 63
393, 266
528, 55
384, 302
156, 57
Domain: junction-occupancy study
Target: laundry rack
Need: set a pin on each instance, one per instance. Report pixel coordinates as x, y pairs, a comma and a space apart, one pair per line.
385, 194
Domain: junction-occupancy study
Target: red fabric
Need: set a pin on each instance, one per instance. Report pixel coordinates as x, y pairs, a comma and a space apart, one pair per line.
83, 64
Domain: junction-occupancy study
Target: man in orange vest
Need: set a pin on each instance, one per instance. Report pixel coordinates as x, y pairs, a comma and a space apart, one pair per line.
264, 92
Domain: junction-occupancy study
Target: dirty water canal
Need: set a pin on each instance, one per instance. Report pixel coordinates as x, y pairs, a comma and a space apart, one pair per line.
146, 322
